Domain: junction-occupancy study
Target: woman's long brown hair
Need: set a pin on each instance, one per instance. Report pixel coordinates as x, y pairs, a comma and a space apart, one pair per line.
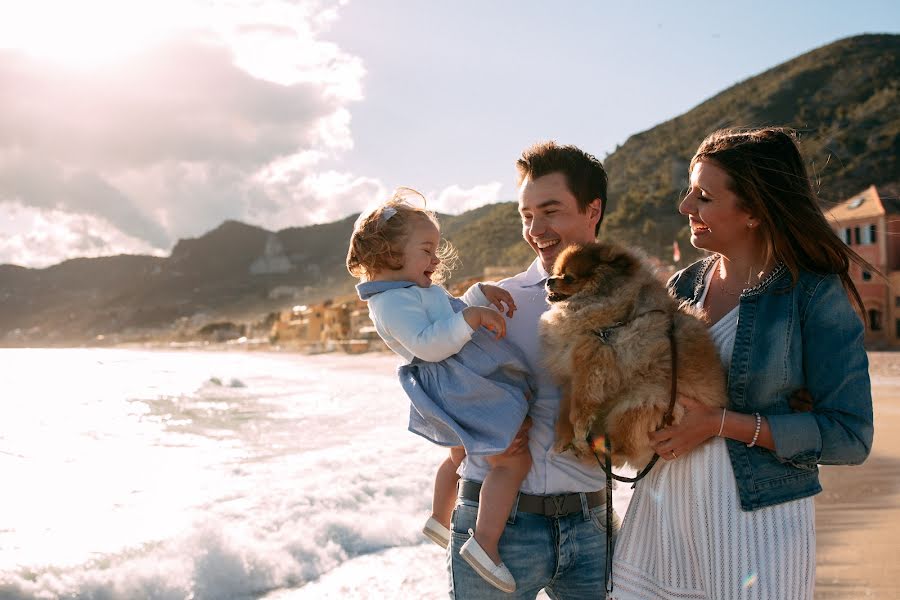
768, 175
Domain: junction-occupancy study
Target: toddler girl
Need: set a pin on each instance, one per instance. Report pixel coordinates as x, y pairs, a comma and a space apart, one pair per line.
468, 388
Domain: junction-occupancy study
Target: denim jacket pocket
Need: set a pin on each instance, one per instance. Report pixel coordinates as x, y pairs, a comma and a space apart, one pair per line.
806, 461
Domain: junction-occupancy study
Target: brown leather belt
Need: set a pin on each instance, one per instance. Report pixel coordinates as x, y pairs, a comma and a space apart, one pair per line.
548, 506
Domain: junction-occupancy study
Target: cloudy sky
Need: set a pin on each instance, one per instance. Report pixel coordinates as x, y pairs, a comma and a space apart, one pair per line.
127, 124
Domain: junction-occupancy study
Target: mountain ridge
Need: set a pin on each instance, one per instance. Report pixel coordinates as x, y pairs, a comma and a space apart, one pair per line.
843, 98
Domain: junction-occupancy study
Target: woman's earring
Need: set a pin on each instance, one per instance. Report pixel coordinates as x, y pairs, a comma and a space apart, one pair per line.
751, 224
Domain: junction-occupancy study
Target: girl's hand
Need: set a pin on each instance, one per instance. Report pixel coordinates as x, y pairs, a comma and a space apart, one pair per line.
497, 296
479, 316
699, 423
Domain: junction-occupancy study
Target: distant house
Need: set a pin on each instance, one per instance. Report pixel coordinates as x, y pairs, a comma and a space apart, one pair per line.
361, 325
870, 224
337, 321
301, 325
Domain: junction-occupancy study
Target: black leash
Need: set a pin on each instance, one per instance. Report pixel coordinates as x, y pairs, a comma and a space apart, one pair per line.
606, 465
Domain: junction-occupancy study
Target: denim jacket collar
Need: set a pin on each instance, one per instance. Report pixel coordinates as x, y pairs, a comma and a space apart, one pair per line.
704, 266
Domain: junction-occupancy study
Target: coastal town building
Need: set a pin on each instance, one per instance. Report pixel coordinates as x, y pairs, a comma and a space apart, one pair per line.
337, 321
299, 325
336, 324
869, 222
361, 326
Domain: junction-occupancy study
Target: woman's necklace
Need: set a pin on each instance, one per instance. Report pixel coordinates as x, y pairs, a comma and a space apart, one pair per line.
728, 292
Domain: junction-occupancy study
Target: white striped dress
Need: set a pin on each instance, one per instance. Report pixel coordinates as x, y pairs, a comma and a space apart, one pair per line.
685, 536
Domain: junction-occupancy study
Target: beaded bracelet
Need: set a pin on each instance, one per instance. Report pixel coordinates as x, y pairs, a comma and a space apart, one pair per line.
722, 424
755, 433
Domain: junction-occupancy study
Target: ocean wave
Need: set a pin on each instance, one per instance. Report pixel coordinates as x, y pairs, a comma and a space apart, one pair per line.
316, 472
228, 559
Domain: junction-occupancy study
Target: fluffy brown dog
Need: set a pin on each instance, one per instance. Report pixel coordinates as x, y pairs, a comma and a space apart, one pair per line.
606, 339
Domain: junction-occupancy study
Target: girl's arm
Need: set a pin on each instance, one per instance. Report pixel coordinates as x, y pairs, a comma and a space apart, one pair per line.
488, 294
474, 296
403, 316
839, 428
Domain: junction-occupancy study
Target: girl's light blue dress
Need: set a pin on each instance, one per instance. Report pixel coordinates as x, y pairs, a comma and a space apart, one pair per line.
476, 398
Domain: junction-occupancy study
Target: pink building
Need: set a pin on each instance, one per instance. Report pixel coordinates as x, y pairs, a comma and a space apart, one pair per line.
870, 224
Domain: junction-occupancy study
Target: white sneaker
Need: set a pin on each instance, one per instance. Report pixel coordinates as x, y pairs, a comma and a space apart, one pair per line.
436, 532
497, 575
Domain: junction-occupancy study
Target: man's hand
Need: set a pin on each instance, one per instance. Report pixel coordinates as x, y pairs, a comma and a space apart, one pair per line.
498, 297
801, 401
520, 442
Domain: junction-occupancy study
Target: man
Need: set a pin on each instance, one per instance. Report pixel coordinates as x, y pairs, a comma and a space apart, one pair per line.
555, 538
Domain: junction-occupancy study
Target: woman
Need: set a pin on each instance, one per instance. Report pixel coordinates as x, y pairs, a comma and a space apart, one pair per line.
734, 518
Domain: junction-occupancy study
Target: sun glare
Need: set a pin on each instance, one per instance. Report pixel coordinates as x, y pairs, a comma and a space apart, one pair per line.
89, 33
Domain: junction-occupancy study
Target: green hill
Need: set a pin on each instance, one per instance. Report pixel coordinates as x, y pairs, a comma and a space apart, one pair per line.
843, 98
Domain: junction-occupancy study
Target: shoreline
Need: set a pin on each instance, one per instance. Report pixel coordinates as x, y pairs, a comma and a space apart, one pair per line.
858, 511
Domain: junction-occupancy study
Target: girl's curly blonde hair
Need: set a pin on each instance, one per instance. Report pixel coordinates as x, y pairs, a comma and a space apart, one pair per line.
378, 238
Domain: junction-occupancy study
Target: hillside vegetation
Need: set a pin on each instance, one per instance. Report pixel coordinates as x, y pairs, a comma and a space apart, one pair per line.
844, 99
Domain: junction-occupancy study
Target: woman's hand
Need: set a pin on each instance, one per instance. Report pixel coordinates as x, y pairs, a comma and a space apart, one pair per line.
497, 296
479, 316
699, 423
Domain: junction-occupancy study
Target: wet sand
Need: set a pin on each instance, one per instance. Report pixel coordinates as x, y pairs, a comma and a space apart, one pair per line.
858, 513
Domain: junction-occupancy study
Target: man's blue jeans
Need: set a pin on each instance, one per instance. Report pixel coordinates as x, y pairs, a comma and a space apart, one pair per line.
566, 556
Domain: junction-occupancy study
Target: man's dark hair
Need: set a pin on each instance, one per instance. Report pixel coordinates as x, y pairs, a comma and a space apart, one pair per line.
584, 174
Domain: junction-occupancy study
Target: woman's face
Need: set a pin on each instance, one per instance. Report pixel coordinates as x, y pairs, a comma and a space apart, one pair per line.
718, 223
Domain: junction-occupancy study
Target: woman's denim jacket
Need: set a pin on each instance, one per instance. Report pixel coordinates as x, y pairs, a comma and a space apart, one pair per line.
790, 337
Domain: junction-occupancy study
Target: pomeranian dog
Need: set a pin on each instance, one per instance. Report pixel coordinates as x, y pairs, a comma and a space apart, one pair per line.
607, 343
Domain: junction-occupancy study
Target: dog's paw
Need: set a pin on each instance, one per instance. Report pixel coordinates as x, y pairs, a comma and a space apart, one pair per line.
581, 448
580, 430
561, 446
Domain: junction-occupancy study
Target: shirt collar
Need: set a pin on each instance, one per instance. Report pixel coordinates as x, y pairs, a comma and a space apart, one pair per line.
367, 289
535, 275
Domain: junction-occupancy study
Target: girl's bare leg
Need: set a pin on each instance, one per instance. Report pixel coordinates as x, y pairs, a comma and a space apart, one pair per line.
498, 493
444, 498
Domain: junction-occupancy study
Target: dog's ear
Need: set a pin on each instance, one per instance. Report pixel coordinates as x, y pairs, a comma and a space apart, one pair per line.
580, 262
620, 261
610, 266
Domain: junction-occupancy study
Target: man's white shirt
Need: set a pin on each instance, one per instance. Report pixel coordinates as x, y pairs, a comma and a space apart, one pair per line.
551, 473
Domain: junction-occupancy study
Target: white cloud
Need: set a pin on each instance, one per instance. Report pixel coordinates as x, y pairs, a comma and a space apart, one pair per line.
182, 101
169, 141
306, 197
153, 123
28, 179
38, 237
454, 199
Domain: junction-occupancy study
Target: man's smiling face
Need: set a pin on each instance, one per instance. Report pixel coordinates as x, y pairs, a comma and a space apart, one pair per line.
550, 216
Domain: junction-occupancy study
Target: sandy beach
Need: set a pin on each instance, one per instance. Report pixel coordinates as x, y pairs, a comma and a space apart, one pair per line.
858, 513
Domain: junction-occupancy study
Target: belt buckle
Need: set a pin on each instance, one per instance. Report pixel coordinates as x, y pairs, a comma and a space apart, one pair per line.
558, 502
